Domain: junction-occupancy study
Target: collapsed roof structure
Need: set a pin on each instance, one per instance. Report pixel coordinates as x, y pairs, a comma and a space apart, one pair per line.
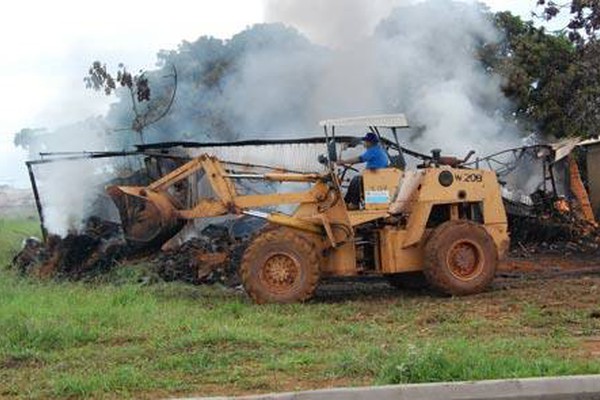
544, 185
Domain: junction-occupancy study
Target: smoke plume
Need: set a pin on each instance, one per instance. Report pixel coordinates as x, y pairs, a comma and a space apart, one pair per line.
321, 59
333, 23
419, 58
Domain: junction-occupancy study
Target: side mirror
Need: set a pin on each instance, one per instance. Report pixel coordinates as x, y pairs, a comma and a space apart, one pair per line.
332, 151
322, 159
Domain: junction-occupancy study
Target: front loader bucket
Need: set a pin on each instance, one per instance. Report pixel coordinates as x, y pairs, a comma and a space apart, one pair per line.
148, 218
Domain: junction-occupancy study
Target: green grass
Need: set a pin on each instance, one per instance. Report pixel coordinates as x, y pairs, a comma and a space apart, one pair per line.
12, 233
130, 340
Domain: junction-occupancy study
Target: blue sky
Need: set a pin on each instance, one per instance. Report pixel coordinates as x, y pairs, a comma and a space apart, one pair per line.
48, 45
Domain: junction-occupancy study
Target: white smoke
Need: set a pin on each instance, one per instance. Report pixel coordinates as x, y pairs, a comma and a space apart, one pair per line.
65, 195
419, 58
333, 23
68, 189
372, 57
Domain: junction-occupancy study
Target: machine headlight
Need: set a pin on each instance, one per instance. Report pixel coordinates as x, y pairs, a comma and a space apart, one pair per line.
446, 178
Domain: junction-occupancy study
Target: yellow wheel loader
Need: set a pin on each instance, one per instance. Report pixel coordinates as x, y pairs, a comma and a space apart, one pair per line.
439, 220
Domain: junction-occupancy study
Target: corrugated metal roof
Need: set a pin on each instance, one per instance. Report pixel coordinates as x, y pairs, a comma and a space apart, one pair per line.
381, 121
563, 148
590, 142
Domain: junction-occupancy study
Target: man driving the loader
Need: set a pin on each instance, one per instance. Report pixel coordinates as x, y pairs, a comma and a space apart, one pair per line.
375, 157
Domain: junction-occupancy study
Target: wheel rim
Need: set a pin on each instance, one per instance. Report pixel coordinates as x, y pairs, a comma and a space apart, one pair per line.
465, 260
280, 272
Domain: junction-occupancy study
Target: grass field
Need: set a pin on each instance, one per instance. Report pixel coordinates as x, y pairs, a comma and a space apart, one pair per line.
60, 339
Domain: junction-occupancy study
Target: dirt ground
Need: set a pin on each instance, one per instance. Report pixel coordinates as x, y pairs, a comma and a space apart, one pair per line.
557, 285
575, 279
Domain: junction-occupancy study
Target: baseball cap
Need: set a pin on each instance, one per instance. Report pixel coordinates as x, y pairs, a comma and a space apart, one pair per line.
371, 137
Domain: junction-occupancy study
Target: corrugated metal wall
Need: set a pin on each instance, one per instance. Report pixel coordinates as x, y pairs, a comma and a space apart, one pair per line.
593, 172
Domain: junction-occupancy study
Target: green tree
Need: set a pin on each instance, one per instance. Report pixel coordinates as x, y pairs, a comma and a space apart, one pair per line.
146, 111
28, 139
537, 68
583, 80
553, 82
584, 17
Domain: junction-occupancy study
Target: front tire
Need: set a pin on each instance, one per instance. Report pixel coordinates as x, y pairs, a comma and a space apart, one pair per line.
460, 258
280, 266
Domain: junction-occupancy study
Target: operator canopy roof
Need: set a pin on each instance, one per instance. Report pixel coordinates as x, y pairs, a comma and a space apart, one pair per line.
380, 121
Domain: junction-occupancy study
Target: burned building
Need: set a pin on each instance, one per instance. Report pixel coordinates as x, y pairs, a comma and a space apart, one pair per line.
551, 194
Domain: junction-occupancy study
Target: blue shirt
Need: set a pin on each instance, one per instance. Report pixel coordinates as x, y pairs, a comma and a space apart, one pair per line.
375, 157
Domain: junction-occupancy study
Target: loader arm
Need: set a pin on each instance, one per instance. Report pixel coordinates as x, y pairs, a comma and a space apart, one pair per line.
150, 214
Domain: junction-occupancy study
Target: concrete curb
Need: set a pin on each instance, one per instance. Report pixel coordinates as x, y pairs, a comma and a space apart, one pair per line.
585, 387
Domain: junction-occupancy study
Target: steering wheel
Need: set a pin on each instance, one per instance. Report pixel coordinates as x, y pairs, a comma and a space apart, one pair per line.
345, 169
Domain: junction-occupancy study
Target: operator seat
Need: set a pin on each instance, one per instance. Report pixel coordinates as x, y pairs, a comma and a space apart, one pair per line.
380, 187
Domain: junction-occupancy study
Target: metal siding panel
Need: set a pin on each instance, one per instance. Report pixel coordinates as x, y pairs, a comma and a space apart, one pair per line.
593, 178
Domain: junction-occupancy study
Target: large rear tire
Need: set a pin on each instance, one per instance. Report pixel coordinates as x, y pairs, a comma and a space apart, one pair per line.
460, 258
280, 266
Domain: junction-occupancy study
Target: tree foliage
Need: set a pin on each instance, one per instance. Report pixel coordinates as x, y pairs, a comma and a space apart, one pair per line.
100, 79
146, 111
554, 83
581, 84
212, 89
584, 17
213, 94
551, 82
26, 138
536, 67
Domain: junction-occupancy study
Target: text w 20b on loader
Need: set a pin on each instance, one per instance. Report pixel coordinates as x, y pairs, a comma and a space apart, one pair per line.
440, 220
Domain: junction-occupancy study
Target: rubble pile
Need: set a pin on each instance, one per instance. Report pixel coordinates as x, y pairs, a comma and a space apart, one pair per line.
205, 259
549, 226
211, 257
552, 226
77, 256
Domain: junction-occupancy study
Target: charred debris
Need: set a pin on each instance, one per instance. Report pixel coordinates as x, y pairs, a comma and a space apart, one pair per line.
551, 194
